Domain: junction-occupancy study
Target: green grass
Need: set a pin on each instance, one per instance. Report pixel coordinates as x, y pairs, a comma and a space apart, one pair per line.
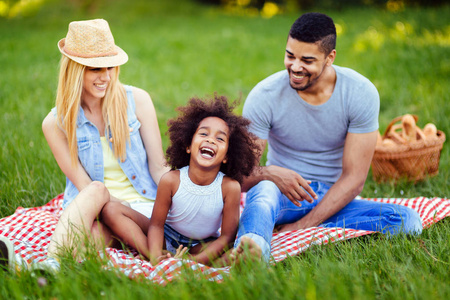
179, 49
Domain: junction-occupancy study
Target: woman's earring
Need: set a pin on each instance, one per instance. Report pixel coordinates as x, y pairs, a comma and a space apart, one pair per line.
188, 150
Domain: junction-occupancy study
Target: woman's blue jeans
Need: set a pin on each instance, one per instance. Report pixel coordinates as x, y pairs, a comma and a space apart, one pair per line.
267, 207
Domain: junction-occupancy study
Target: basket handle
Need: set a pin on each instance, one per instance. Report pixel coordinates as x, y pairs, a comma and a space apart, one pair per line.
395, 120
420, 133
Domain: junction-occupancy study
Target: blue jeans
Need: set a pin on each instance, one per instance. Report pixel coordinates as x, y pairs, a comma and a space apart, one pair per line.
267, 207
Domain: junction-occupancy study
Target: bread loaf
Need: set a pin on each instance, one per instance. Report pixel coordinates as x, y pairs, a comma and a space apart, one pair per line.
409, 128
430, 131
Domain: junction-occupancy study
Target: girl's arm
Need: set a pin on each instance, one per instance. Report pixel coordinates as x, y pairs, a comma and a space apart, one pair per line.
150, 134
59, 146
231, 191
167, 187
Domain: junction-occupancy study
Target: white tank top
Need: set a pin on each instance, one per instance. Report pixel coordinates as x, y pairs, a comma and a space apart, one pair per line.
196, 210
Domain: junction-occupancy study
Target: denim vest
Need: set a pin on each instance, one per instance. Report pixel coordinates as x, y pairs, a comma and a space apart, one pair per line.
90, 155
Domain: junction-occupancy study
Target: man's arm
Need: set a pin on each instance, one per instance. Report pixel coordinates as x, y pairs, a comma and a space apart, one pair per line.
358, 153
290, 183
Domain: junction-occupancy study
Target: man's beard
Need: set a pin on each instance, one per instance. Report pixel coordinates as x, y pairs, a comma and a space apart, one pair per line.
299, 87
310, 82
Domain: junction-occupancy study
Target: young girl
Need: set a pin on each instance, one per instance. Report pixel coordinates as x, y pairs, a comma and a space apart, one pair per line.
210, 153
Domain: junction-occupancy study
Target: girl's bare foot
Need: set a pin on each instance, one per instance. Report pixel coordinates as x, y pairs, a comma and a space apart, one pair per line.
246, 250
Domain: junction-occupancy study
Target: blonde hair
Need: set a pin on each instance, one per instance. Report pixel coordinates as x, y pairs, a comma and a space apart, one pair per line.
114, 107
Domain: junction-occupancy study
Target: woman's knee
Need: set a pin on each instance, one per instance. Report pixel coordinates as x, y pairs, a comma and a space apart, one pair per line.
92, 198
97, 190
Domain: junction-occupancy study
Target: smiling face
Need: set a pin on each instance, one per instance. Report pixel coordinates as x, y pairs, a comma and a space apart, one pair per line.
305, 63
96, 81
209, 144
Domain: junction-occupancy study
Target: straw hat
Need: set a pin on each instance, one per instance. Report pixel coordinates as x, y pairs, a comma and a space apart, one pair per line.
91, 43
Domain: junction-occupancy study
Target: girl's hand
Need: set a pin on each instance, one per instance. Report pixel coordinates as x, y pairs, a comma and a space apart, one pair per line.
181, 251
160, 258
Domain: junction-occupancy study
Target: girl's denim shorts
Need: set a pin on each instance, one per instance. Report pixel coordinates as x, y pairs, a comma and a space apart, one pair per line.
174, 239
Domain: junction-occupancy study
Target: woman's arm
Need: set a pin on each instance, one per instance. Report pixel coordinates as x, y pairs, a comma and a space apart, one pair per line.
151, 136
167, 186
231, 191
59, 145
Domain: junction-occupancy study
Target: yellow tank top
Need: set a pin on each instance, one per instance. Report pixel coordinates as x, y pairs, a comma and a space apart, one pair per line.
115, 179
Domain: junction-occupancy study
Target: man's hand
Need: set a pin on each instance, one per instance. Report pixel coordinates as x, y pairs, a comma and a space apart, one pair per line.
292, 185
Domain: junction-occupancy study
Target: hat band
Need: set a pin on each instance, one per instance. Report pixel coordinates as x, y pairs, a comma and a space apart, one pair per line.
112, 53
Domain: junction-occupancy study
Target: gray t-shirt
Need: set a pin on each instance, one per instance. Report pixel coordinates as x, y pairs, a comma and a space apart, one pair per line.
306, 138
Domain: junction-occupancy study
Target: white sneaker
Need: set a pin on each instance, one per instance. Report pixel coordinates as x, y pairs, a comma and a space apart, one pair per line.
15, 263
50, 265
6, 253
8, 258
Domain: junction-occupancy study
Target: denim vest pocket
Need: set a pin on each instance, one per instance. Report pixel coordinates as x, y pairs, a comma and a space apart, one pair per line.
83, 144
136, 145
136, 164
85, 150
134, 125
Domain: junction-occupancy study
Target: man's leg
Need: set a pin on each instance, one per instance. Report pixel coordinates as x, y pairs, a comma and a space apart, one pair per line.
377, 216
265, 207
258, 219
358, 214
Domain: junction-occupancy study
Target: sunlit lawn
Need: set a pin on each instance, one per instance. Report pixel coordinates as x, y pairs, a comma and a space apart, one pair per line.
178, 50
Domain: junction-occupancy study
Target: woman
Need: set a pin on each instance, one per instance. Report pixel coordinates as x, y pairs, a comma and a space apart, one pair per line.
103, 135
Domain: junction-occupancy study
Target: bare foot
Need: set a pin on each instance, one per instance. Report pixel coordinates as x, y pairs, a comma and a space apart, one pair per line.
246, 250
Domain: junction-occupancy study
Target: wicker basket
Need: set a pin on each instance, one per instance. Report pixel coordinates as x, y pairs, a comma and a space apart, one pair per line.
413, 161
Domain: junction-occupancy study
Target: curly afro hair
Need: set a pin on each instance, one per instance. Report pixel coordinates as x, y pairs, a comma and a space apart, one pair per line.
243, 151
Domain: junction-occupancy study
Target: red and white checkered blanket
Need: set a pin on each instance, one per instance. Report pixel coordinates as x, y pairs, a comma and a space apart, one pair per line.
30, 229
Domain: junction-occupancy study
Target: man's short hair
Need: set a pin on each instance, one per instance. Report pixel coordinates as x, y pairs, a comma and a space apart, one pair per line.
315, 28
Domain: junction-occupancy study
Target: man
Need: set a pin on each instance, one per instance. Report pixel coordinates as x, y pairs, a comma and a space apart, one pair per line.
321, 124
